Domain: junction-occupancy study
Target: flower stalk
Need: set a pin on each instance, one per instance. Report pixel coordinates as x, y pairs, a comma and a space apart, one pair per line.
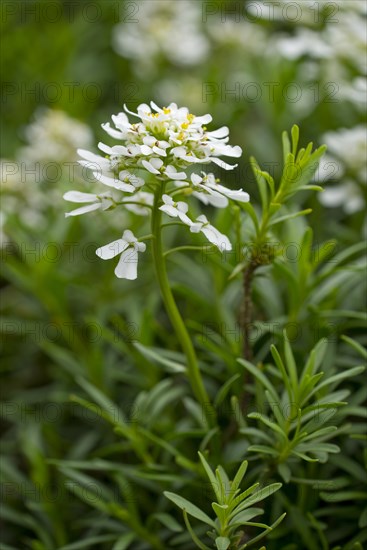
193, 370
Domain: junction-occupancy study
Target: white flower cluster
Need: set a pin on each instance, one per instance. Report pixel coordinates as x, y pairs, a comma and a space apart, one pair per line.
163, 143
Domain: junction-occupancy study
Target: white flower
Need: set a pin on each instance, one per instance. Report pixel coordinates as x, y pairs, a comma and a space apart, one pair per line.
175, 209
347, 195
130, 178
211, 233
329, 168
128, 246
214, 193
162, 142
96, 202
153, 166
141, 197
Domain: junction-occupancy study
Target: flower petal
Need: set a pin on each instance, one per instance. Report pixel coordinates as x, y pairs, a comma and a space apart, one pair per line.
111, 250
83, 209
116, 134
121, 121
114, 182
220, 133
214, 199
149, 167
146, 150
169, 210
215, 237
223, 164
172, 173
77, 196
129, 236
127, 267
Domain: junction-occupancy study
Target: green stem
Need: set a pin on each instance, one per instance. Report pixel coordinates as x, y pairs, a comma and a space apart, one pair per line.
178, 324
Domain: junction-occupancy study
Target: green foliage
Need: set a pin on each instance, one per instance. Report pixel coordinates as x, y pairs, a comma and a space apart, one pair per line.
100, 427
234, 510
299, 426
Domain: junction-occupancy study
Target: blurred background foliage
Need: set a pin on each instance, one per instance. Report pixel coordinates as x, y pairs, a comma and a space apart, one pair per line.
73, 334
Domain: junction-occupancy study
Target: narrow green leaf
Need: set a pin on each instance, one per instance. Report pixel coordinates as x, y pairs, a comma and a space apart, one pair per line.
261, 182
291, 364
190, 508
239, 475
153, 355
360, 349
221, 511
304, 456
263, 449
222, 393
259, 495
109, 407
284, 471
168, 521
295, 138
262, 535
198, 543
341, 376
279, 363
286, 146
246, 515
256, 372
211, 476
222, 543
265, 420
124, 541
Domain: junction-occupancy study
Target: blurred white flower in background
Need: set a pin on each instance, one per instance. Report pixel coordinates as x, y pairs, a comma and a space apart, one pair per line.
350, 147
347, 195
54, 136
342, 40
348, 39
230, 31
171, 30
348, 150
304, 42
51, 140
355, 91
